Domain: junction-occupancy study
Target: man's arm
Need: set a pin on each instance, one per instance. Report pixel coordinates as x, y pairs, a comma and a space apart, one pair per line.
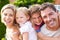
44, 37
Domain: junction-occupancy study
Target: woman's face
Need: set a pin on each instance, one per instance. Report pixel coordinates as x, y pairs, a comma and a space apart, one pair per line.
8, 16
36, 18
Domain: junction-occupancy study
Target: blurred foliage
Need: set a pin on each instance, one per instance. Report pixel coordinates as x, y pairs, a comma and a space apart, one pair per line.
2, 26
30, 2
3, 38
3, 2
2, 29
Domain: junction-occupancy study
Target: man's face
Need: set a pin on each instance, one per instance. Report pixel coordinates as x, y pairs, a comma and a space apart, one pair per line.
50, 17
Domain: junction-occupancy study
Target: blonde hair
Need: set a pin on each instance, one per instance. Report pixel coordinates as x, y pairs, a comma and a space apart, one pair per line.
8, 6
24, 10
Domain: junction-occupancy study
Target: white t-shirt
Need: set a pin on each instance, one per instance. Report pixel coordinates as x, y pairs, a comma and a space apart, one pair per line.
57, 7
27, 27
9, 33
47, 32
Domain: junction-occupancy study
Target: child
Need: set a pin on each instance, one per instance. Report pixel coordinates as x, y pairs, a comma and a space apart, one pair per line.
7, 17
36, 18
26, 29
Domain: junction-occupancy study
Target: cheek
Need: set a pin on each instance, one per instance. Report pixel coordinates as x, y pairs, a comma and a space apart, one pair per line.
17, 20
45, 20
12, 18
55, 18
34, 20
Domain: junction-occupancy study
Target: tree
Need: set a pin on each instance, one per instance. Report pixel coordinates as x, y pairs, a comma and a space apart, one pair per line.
2, 26
3, 2
30, 2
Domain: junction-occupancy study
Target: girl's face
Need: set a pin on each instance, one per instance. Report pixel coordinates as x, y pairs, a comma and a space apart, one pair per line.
21, 18
8, 16
36, 18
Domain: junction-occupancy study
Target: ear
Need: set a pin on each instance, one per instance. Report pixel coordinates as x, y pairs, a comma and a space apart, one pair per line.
57, 12
59, 18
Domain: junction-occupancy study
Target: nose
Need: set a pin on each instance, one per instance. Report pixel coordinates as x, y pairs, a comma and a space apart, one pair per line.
49, 19
37, 19
7, 17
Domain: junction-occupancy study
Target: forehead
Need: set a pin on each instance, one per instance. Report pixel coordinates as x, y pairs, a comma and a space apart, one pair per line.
35, 15
9, 11
47, 11
20, 13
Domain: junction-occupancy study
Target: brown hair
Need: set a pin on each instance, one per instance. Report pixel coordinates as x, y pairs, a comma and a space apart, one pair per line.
34, 9
8, 6
45, 5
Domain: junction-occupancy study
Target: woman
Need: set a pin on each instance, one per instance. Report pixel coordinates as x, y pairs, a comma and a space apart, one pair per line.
8, 18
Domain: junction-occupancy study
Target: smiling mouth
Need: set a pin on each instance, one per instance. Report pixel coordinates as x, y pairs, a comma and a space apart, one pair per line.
7, 21
52, 23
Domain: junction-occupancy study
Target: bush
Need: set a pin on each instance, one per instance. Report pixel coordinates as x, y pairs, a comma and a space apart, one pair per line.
2, 29
2, 26
3, 2
30, 2
3, 38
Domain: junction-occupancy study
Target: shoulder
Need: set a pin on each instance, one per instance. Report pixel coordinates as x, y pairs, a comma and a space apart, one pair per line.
43, 27
16, 29
26, 27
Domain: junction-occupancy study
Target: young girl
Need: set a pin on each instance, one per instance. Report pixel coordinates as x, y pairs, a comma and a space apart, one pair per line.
26, 29
8, 18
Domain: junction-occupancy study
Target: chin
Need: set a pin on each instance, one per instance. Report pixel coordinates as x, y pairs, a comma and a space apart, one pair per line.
52, 26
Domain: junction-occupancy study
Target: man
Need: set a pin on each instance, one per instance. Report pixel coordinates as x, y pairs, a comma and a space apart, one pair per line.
50, 16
